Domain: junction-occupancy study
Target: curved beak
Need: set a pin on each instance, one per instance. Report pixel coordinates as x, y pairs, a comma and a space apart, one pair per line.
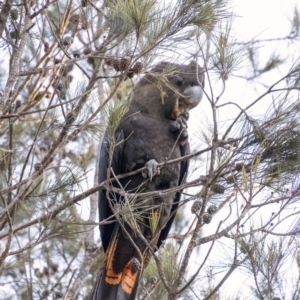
193, 96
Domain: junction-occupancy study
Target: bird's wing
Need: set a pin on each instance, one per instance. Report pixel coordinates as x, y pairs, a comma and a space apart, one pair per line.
111, 285
184, 166
105, 211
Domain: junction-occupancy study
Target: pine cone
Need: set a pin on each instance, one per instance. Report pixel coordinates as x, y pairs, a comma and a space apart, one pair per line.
84, 3
44, 146
231, 179
116, 64
218, 188
135, 265
248, 169
207, 218
239, 166
130, 73
76, 54
87, 51
196, 207
38, 166
153, 280
54, 267
138, 67
108, 61
58, 295
58, 85
56, 61
70, 117
212, 209
67, 41
124, 63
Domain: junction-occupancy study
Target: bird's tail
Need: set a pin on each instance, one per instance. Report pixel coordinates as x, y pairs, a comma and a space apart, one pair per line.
115, 286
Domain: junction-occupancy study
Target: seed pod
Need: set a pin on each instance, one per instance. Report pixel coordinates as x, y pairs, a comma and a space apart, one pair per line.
58, 85
116, 64
38, 166
70, 117
248, 169
18, 104
196, 207
87, 51
108, 61
135, 265
56, 61
239, 166
207, 218
138, 67
44, 146
62, 95
124, 63
76, 54
212, 209
218, 188
231, 179
130, 73
67, 41
153, 280
54, 267
58, 295
45, 293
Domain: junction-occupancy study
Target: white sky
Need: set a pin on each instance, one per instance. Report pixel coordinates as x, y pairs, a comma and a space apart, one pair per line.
261, 19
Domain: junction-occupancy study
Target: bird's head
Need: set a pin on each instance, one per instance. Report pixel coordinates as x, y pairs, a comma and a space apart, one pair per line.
178, 88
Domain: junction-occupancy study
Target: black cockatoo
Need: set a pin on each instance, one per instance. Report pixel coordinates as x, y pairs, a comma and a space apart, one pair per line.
152, 131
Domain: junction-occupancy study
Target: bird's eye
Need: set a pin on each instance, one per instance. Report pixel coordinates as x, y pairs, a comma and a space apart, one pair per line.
179, 81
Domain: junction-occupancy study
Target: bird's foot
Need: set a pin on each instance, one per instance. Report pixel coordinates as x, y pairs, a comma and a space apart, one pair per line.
152, 169
179, 126
135, 265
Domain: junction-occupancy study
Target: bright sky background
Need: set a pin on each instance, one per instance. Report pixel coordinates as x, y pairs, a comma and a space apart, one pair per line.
254, 19
259, 19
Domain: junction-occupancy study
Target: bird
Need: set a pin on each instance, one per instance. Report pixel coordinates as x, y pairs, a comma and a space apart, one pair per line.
153, 131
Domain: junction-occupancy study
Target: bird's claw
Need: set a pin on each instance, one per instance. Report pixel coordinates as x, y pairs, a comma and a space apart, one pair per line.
135, 265
179, 126
152, 169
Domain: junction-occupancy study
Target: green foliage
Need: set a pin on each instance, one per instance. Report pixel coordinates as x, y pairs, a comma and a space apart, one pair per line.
229, 54
66, 180
114, 113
